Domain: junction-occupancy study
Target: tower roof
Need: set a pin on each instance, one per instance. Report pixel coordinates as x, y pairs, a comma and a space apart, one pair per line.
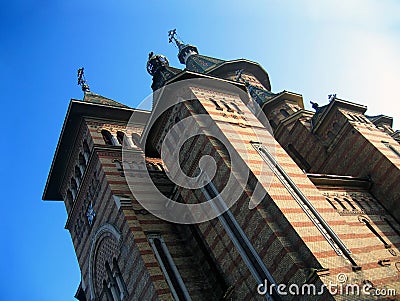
92, 105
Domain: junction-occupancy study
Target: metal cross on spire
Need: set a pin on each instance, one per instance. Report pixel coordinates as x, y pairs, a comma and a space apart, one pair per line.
82, 81
173, 37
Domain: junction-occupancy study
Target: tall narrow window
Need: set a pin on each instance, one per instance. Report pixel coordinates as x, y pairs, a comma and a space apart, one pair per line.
108, 138
116, 274
136, 140
171, 273
74, 188
112, 284
372, 229
350, 204
78, 175
366, 204
107, 291
392, 148
340, 203
331, 203
273, 124
121, 137
82, 163
300, 159
237, 108
284, 113
359, 204
227, 106
217, 106
86, 151
70, 198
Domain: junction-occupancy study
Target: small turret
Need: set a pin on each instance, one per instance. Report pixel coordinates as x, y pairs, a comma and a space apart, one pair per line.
155, 62
185, 50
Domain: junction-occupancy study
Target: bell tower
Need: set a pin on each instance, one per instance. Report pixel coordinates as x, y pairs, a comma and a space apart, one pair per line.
203, 198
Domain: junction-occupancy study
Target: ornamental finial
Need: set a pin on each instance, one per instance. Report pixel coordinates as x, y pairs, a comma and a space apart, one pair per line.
173, 37
82, 81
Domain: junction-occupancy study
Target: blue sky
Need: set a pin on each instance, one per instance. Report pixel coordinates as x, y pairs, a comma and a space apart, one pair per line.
314, 48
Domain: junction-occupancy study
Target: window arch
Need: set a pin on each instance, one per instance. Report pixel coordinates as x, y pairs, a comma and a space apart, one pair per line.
331, 203
359, 204
372, 229
108, 138
78, 175
74, 188
273, 124
70, 198
340, 203
82, 163
237, 108
284, 113
86, 151
121, 137
136, 139
227, 106
350, 204
217, 106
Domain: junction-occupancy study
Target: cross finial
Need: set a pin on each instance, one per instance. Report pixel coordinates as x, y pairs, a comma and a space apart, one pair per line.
82, 81
331, 97
172, 37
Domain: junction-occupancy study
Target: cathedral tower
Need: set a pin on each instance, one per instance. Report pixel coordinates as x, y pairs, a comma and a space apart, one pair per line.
268, 196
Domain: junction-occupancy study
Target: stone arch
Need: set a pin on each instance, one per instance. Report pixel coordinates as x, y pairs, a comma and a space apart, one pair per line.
104, 246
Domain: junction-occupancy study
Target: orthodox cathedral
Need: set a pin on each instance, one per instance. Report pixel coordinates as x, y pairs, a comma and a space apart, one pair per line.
226, 190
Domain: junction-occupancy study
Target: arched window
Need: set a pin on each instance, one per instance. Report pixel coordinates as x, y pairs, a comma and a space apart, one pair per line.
108, 138
82, 163
120, 137
227, 106
366, 204
340, 203
350, 204
273, 124
74, 188
70, 198
136, 140
331, 203
86, 151
78, 175
372, 229
116, 273
112, 284
118, 165
217, 106
167, 265
284, 113
237, 108
359, 204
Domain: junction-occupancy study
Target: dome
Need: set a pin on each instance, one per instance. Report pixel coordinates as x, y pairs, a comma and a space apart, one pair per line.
155, 62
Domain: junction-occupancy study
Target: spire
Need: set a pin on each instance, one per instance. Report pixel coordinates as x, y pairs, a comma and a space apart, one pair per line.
257, 94
82, 81
185, 50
